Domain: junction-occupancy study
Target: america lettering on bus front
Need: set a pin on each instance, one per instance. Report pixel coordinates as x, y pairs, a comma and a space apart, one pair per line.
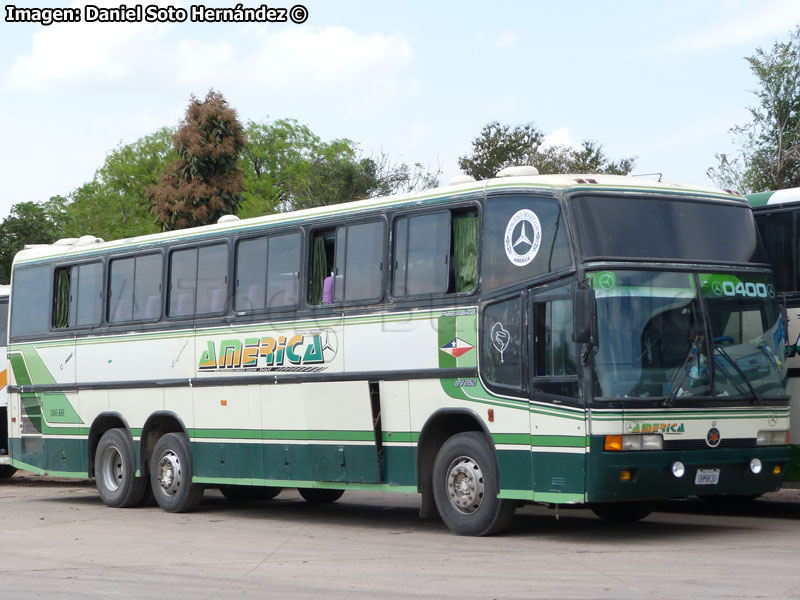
300, 352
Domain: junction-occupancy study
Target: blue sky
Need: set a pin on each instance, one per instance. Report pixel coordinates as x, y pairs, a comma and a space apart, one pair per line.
663, 81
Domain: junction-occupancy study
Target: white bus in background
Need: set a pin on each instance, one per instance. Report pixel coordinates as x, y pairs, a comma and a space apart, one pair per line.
6, 470
777, 215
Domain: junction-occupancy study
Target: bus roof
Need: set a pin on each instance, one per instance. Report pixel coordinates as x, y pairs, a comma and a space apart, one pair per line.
569, 182
775, 197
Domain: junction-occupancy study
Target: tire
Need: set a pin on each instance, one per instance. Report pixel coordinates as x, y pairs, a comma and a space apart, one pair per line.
115, 470
320, 495
624, 512
171, 474
248, 493
465, 487
7, 471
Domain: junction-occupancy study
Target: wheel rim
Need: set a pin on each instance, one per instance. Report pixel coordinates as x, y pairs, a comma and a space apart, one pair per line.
465, 485
112, 469
170, 474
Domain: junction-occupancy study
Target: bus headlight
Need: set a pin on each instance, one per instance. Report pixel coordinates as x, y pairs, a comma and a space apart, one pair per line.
755, 466
772, 438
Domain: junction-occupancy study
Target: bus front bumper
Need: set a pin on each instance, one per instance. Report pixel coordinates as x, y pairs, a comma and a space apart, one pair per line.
653, 475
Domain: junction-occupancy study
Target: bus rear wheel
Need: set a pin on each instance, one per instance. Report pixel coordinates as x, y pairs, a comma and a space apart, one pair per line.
115, 471
171, 474
624, 512
465, 487
320, 495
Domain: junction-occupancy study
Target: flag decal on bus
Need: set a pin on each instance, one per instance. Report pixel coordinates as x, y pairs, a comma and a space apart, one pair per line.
456, 347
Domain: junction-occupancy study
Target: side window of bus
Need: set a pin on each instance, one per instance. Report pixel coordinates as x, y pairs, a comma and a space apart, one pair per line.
198, 281
30, 301
523, 238
3, 322
268, 272
502, 337
347, 263
78, 296
777, 233
436, 253
555, 354
134, 288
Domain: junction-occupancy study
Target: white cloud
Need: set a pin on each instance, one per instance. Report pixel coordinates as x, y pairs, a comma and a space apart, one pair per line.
507, 39
762, 20
560, 137
360, 74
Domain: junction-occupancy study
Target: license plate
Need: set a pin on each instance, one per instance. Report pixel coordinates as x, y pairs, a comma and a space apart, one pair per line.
706, 477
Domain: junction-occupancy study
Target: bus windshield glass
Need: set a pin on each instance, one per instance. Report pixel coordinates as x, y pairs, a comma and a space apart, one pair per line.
659, 338
666, 229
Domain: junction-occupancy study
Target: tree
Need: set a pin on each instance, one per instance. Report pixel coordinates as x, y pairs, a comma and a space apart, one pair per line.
769, 145
28, 223
499, 146
114, 204
288, 167
204, 180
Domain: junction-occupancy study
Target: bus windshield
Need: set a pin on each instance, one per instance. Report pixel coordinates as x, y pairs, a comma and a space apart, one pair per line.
666, 229
659, 338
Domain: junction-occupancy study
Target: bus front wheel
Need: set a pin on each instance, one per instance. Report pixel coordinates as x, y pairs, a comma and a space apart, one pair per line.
171, 474
115, 470
465, 487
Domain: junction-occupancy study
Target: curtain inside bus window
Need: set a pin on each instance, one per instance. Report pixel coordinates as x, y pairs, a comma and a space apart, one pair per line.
319, 267
465, 253
61, 299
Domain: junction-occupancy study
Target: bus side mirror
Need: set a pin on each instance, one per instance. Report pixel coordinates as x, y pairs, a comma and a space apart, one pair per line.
584, 306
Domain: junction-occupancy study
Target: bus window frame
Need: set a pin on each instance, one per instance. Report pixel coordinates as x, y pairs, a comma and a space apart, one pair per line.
266, 234
103, 289
362, 219
410, 212
167, 270
107, 287
792, 209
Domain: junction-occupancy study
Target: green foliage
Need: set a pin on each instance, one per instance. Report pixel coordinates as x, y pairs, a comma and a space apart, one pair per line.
28, 223
769, 145
499, 146
287, 167
203, 182
114, 204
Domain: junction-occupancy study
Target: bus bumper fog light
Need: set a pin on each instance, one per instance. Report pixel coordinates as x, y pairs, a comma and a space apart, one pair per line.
777, 470
678, 469
625, 475
755, 466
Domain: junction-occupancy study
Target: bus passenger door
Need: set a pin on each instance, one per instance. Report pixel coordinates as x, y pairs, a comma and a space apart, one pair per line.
558, 418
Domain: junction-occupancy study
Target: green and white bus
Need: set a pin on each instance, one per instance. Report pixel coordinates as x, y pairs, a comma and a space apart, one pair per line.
556, 339
777, 214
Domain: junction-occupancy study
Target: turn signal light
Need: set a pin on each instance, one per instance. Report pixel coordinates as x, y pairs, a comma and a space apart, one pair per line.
625, 475
613, 443
777, 470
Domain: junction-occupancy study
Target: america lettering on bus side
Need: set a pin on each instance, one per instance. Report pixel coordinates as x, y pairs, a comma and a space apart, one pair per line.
305, 352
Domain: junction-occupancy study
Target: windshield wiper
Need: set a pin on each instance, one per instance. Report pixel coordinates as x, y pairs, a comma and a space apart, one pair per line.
756, 398
680, 375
